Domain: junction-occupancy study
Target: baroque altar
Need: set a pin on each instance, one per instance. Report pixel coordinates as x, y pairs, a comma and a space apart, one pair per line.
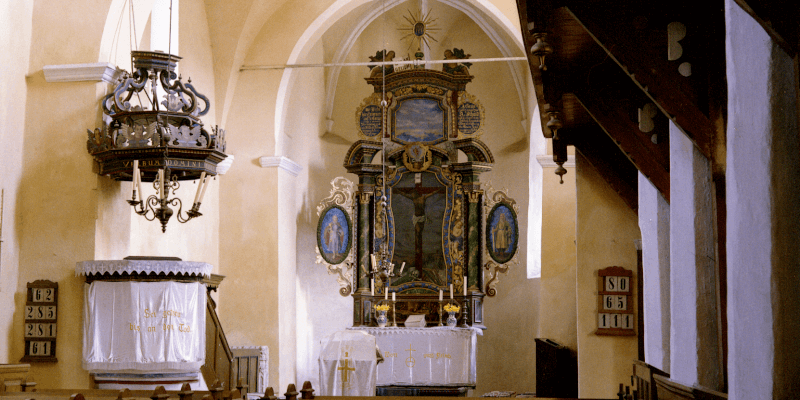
418, 233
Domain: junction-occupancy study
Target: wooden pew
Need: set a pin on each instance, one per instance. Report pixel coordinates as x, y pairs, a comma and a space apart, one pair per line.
671, 390
643, 382
14, 378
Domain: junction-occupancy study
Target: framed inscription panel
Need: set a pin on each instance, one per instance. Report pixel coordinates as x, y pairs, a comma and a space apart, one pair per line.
615, 306
41, 314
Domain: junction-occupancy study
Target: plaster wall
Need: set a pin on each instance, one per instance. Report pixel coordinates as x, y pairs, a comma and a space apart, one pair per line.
695, 349
557, 297
762, 197
15, 41
606, 230
654, 225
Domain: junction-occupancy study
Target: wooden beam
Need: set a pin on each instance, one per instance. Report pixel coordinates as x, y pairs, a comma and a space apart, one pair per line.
609, 161
652, 73
649, 158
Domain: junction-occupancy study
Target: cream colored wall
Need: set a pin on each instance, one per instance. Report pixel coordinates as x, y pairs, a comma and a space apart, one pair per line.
557, 312
15, 39
606, 230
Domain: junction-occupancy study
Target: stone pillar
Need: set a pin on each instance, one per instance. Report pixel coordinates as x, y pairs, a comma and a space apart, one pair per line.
763, 158
695, 346
654, 225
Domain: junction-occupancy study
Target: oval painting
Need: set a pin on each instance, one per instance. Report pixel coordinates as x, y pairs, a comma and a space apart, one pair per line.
333, 235
502, 233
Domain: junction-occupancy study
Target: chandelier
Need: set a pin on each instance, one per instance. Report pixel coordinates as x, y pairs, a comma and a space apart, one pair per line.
163, 142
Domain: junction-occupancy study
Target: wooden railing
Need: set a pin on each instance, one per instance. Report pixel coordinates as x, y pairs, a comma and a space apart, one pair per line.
219, 357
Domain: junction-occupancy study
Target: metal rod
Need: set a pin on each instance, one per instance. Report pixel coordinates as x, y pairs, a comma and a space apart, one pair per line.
380, 63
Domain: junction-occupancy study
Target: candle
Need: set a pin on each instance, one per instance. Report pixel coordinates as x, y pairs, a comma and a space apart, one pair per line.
386, 293
203, 193
200, 186
440, 294
451, 291
401, 268
465, 286
393, 296
374, 263
161, 183
135, 174
372, 286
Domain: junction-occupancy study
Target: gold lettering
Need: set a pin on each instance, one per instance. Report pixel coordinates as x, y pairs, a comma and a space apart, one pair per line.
389, 354
151, 328
134, 327
429, 355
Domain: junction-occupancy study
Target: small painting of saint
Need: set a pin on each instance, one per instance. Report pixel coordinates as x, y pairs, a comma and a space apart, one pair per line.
333, 235
502, 233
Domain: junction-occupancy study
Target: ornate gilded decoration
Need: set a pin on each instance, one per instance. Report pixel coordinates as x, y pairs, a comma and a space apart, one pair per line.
501, 235
419, 29
461, 68
417, 157
341, 201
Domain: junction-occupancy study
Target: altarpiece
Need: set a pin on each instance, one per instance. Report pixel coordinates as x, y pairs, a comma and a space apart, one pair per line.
418, 225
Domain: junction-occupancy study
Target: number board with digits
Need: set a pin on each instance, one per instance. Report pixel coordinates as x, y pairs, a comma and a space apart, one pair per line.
41, 313
615, 309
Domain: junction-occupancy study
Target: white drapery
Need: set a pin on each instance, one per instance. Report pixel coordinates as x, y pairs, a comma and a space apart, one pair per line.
347, 364
426, 356
144, 326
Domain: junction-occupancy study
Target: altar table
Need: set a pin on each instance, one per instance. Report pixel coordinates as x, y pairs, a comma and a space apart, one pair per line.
435, 356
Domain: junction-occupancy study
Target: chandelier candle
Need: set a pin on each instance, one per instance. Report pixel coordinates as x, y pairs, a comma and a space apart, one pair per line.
199, 187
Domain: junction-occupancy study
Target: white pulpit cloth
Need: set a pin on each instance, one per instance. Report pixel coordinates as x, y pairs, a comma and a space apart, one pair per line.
435, 356
347, 364
144, 326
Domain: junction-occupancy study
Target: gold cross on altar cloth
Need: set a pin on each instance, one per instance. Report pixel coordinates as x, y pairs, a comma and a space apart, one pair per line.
345, 368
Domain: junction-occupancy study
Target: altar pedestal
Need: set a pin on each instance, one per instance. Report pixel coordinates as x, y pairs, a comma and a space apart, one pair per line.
425, 359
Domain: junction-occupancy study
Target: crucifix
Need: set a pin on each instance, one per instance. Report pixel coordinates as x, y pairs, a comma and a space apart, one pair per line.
345, 369
418, 196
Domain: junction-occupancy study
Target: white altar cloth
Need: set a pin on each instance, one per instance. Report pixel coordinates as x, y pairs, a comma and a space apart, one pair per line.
435, 356
347, 364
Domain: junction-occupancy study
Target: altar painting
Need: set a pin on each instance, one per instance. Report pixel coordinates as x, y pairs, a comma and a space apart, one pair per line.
333, 235
419, 120
502, 233
419, 206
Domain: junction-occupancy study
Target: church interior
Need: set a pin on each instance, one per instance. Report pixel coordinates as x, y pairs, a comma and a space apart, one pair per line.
606, 192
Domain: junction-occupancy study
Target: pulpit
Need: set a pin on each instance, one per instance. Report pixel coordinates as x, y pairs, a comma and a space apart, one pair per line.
144, 322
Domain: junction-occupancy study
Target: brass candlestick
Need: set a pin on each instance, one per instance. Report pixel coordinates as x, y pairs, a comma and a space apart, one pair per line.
440, 313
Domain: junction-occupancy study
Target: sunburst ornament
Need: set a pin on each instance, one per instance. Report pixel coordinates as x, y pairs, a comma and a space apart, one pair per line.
419, 29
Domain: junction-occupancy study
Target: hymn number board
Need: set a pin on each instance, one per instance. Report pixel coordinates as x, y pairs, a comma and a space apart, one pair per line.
615, 306
41, 312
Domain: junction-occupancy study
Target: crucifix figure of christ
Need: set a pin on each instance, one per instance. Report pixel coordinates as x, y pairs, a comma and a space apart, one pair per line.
418, 196
345, 369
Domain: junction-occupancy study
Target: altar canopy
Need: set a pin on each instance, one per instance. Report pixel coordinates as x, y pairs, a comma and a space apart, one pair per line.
426, 356
144, 326
347, 364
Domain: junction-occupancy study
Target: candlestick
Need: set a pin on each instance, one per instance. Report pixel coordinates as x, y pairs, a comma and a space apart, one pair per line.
451, 291
440, 294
